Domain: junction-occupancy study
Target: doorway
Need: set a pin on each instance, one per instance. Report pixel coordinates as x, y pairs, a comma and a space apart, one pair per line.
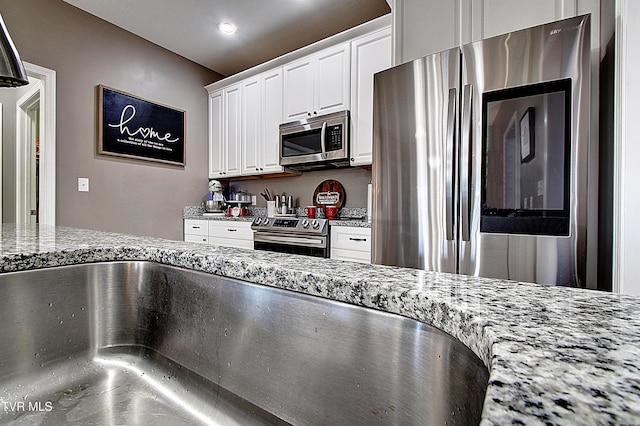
35, 150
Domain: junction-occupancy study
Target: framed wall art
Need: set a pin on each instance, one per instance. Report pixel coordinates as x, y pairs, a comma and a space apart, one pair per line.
527, 135
133, 127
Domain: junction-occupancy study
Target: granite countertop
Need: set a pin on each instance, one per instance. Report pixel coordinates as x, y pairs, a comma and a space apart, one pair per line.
348, 216
555, 355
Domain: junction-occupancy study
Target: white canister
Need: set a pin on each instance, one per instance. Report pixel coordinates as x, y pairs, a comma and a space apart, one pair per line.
271, 208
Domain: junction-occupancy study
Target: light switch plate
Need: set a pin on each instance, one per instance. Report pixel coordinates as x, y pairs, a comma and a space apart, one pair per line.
83, 184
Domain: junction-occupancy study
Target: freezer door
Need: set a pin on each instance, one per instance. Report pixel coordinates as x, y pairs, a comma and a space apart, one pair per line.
414, 163
523, 199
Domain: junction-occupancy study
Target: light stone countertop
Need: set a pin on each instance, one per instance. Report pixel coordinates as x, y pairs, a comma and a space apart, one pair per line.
355, 217
555, 355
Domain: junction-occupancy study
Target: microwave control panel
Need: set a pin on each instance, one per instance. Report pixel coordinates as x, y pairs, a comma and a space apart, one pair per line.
333, 137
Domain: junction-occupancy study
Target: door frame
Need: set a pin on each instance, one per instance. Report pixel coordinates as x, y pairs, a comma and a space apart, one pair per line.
24, 150
47, 187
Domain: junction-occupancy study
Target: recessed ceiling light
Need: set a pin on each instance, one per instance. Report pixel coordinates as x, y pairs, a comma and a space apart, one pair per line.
227, 28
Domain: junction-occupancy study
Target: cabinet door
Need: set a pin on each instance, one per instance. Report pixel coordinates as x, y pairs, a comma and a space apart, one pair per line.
332, 79
216, 135
369, 55
251, 125
425, 27
494, 17
430, 26
271, 106
298, 89
233, 126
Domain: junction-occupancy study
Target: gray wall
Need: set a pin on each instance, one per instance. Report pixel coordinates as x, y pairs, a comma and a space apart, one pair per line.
127, 196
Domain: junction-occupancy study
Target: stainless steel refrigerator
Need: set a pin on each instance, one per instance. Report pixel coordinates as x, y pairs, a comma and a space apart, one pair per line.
480, 158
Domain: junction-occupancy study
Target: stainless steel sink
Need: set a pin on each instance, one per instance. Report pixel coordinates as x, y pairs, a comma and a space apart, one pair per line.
144, 343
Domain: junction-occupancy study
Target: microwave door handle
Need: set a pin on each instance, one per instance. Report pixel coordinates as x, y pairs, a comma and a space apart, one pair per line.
322, 141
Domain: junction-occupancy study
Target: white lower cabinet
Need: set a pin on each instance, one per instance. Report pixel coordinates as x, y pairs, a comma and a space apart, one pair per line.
219, 232
231, 233
196, 231
351, 243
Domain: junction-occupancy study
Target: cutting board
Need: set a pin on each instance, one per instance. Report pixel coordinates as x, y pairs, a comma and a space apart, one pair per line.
329, 193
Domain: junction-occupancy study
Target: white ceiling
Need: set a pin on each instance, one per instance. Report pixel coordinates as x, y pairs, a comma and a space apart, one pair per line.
266, 28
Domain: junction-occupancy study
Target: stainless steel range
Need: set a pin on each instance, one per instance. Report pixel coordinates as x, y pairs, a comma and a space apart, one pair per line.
292, 235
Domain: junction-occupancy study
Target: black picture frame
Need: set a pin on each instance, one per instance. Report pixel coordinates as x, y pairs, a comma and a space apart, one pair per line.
527, 135
132, 127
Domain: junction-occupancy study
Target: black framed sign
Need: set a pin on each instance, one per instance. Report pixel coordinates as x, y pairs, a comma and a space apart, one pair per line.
129, 126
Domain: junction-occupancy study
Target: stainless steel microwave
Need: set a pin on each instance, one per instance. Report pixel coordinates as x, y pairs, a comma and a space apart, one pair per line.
316, 142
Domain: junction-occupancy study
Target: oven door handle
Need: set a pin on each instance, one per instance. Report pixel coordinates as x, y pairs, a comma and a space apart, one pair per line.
307, 241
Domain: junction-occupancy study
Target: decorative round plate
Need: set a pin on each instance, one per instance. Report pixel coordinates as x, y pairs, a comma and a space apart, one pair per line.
329, 193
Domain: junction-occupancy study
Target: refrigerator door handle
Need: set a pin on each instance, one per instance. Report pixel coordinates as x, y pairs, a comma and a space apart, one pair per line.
450, 142
465, 162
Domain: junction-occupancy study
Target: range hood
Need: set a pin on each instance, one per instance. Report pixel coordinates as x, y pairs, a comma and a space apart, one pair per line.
12, 72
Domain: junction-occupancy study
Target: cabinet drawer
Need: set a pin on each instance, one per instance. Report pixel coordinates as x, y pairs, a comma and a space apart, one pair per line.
231, 242
196, 227
351, 238
196, 238
230, 229
351, 255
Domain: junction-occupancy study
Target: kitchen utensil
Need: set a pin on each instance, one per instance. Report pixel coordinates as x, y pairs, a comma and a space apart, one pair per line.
213, 206
310, 211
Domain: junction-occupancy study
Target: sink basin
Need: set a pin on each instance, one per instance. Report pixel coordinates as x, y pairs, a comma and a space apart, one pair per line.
141, 342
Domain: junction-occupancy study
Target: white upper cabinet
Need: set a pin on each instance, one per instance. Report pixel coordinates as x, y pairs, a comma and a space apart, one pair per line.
216, 135
317, 84
261, 116
430, 26
246, 110
272, 107
233, 128
298, 89
225, 132
494, 17
369, 55
332, 79
251, 124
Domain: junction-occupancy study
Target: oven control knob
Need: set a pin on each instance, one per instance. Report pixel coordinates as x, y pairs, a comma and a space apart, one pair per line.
315, 223
257, 221
305, 223
265, 221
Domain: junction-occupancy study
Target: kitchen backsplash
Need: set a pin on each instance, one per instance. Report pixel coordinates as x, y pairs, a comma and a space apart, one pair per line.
354, 180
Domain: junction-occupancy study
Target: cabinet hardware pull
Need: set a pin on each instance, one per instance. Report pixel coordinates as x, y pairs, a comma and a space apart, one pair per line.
232, 230
357, 239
